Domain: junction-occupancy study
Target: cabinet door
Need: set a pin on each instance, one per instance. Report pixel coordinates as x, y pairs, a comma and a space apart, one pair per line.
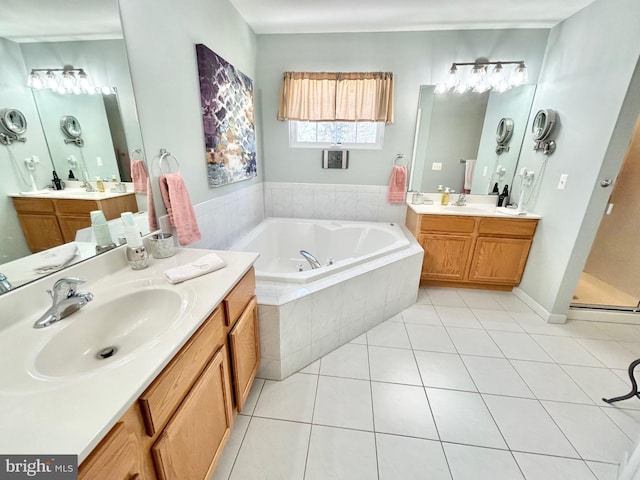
41, 231
244, 342
445, 256
69, 225
116, 458
190, 445
499, 260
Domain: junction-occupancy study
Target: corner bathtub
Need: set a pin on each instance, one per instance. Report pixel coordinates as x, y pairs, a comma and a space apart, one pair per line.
346, 244
306, 314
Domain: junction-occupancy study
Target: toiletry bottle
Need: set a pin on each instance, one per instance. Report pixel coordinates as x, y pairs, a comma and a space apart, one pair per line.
114, 178
503, 197
496, 190
71, 175
99, 184
57, 184
445, 197
440, 189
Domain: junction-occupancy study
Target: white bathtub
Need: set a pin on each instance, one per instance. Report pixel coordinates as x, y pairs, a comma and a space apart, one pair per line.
305, 315
279, 241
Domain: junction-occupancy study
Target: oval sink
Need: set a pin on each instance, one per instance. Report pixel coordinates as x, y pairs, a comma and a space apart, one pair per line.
469, 210
102, 335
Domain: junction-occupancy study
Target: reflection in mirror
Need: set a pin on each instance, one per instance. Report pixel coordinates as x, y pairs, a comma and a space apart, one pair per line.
452, 128
103, 57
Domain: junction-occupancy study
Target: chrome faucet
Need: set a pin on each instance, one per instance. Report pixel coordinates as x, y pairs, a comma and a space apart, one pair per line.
5, 286
462, 200
311, 259
65, 301
88, 187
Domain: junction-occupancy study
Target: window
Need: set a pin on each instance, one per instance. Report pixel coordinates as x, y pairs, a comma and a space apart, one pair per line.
353, 135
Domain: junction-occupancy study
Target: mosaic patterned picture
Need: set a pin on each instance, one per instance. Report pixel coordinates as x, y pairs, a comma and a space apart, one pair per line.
226, 99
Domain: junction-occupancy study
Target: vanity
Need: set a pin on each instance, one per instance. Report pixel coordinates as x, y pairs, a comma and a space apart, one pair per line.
471, 246
163, 405
52, 219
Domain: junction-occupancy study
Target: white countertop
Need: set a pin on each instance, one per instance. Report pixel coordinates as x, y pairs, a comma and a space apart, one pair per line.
70, 415
471, 209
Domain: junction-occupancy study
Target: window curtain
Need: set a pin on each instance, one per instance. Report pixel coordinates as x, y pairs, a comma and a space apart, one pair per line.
345, 97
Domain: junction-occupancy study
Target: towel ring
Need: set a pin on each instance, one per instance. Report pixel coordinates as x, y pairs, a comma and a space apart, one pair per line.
137, 154
399, 160
164, 155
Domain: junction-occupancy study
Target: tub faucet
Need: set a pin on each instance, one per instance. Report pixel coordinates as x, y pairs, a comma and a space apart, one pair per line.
311, 259
5, 286
65, 301
462, 200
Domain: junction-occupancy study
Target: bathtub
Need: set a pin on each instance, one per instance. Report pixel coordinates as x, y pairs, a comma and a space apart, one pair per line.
337, 245
303, 315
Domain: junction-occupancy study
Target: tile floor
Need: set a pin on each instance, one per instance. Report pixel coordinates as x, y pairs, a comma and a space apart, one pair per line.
464, 385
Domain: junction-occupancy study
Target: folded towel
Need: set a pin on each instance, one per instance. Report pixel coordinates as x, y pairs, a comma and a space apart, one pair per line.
55, 259
181, 213
151, 212
397, 184
209, 263
469, 168
139, 176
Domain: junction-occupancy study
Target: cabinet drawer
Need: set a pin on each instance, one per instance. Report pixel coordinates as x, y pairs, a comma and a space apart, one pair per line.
116, 457
161, 399
75, 207
239, 297
507, 227
33, 205
447, 224
194, 438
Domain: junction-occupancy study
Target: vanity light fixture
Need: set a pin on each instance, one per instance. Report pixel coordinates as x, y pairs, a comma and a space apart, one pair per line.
65, 80
482, 79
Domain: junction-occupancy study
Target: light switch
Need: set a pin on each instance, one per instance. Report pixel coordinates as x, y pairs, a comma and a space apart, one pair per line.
484, 171
99, 161
563, 181
436, 166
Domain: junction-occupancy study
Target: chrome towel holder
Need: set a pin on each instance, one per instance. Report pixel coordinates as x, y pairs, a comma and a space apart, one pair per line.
165, 155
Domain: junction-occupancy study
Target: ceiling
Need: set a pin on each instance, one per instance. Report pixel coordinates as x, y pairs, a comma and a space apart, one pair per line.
60, 20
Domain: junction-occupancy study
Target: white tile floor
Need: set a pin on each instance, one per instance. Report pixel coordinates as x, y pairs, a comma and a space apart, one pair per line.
466, 384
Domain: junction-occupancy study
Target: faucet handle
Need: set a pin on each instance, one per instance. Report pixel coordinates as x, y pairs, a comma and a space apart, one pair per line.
66, 285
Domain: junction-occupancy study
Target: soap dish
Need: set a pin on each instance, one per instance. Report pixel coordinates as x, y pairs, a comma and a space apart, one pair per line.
427, 202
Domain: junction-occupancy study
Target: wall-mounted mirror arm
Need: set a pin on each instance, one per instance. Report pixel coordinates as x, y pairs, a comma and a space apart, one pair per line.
543, 124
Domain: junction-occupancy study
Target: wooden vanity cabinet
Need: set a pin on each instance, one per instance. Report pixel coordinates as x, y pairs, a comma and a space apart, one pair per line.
470, 251
180, 424
49, 222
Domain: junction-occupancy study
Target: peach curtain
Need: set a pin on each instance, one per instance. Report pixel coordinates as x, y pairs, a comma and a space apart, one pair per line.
326, 96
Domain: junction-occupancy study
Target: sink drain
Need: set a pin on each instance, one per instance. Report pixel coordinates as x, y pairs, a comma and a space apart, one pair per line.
106, 352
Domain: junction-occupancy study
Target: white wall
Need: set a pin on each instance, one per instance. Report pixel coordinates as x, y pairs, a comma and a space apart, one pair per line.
160, 37
415, 58
588, 66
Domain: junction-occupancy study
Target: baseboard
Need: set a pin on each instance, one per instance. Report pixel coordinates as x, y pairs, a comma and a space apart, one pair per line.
609, 316
539, 309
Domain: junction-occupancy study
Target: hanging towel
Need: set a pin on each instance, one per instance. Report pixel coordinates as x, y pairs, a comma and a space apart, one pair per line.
181, 213
397, 185
151, 212
139, 176
469, 168
209, 263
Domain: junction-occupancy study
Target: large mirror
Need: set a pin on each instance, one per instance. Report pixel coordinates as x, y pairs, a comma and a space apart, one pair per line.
457, 139
86, 36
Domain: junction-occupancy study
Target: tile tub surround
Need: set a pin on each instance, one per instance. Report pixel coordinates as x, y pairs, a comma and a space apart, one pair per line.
366, 203
301, 323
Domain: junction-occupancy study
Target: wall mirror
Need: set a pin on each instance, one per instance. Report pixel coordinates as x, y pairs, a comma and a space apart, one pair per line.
90, 37
13, 125
452, 128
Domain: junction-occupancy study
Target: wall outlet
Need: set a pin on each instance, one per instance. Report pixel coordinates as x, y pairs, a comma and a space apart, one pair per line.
436, 166
563, 181
99, 161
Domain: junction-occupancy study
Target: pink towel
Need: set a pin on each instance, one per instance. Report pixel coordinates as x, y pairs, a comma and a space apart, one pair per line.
181, 213
139, 176
151, 212
397, 185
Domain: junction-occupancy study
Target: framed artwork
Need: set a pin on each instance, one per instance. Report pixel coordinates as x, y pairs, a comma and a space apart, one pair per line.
226, 100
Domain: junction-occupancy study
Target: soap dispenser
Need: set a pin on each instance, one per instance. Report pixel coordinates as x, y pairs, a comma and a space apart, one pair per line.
503, 198
99, 184
445, 197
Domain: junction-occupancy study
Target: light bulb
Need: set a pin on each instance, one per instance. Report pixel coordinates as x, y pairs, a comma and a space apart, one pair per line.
477, 75
34, 80
440, 88
51, 80
520, 75
461, 87
85, 83
453, 80
76, 90
497, 76
68, 80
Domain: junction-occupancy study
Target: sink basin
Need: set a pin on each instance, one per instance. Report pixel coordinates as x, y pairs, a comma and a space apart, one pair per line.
107, 333
469, 210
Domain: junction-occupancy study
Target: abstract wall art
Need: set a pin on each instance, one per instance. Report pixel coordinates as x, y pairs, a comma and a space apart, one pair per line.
226, 100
